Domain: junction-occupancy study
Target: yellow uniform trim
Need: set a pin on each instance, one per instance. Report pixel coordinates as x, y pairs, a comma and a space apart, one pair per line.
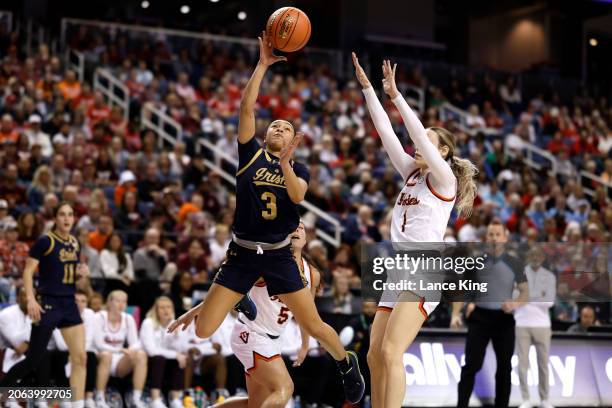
265, 183
267, 156
60, 239
242, 170
48, 251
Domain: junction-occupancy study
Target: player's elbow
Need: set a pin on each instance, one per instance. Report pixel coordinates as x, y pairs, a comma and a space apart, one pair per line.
296, 198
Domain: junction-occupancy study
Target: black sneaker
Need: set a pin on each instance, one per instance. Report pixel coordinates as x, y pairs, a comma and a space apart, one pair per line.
352, 380
247, 307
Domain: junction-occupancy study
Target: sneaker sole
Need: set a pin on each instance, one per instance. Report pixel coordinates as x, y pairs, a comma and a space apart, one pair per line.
352, 353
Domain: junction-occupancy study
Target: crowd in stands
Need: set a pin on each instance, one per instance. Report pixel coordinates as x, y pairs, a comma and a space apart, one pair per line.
156, 221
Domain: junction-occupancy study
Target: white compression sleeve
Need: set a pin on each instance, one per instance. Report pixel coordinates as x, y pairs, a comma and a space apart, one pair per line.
401, 160
442, 172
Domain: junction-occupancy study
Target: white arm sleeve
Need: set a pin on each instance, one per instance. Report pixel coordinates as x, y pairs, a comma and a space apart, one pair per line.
443, 175
401, 160
149, 343
132, 333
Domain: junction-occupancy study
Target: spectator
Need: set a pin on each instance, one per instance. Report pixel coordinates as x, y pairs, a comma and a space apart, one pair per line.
29, 227
115, 262
341, 299
15, 327
37, 137
164, 351
127, 182
42, 184
90, 220
89, 255
13, 252
113, 328
181, 292
150, 259
96, 302
361, 227
7, 129
587, 319
98, 238
219, 245
194, 261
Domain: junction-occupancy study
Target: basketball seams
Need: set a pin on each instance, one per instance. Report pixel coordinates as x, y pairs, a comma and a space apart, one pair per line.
295, 24
278, 23
307, 37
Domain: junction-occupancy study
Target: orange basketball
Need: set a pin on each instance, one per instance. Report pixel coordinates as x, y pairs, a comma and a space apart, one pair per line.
289, 29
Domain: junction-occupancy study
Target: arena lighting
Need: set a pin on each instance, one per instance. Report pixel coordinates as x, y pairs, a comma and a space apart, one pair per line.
185, 9
593, 42
242, 15
145, 4
214, 1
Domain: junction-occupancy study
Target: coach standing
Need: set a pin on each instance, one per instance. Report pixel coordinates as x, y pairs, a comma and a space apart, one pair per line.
490, 318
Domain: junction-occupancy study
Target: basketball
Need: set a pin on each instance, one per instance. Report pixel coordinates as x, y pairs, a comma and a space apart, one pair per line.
289, 29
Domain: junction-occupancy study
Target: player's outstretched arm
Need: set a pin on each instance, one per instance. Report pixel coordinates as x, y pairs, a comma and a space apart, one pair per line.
402, 161
246, 123
440, 169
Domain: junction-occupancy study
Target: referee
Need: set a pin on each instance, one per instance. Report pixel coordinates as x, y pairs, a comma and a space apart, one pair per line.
490, 317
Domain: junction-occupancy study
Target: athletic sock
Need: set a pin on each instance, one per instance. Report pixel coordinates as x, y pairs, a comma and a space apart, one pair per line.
78, 404
137, 395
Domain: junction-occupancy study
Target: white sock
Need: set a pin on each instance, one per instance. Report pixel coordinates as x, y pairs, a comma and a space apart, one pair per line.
78, 404
99, 395
137, 394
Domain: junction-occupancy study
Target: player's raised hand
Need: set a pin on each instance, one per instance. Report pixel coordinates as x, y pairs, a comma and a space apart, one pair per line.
388, 81
185, 320
362, 78
286, 152
34, 310
266, 52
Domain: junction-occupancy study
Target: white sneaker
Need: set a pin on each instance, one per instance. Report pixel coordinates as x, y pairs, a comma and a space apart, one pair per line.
138, 403
12, 404
90, 403
526, 404
41, 404
546, 404
176, 403
158, 403
101, 403
65, 405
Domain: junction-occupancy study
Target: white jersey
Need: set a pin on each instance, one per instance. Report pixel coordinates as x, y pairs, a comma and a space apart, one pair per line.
272, 314
420, 213
107, 338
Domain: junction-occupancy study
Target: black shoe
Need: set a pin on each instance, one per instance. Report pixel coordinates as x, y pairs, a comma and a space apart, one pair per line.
247, 307
352, 380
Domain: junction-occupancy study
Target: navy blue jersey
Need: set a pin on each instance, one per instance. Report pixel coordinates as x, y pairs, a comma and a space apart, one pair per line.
58, 259
264, 211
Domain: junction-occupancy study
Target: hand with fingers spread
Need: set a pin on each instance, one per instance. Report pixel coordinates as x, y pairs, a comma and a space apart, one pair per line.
34, 310
266, 52
388, 81
362, 78
185, 320
287, 152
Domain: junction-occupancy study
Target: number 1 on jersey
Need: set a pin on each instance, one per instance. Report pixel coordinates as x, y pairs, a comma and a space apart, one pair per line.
270, 212
404, 220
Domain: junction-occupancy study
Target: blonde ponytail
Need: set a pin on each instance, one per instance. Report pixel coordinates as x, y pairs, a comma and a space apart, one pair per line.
465, 172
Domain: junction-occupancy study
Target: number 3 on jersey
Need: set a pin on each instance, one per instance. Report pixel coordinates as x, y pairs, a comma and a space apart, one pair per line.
270, 212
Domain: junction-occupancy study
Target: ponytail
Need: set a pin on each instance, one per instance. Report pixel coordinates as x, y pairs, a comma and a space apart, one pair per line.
465, 172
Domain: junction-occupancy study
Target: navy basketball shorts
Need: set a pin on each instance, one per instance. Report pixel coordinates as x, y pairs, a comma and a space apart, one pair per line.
244, 267
59, 311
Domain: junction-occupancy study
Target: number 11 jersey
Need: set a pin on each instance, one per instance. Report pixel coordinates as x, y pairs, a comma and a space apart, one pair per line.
58, 259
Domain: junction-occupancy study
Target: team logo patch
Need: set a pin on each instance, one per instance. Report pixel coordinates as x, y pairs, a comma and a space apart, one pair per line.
244, 336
